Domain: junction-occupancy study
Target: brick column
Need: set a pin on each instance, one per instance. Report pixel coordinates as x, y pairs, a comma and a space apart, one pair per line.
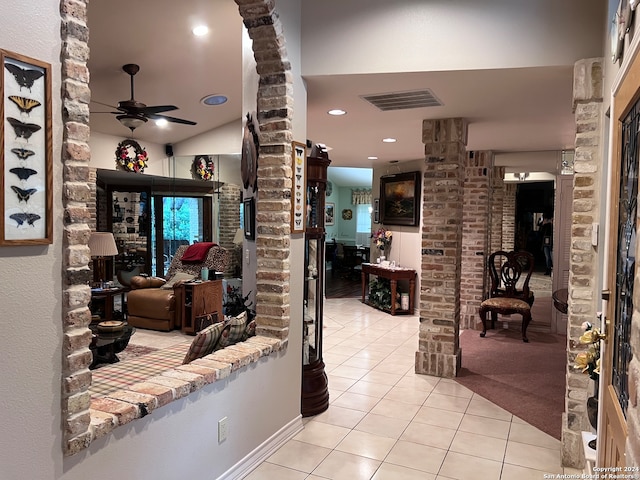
475, 234
509, 217
497, 208
583, 272
230, 195
438, 345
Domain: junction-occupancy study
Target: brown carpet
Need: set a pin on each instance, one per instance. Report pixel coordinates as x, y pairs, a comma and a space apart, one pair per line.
526, 379
131, 351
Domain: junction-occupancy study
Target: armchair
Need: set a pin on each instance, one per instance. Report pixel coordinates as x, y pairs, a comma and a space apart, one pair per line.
155, 303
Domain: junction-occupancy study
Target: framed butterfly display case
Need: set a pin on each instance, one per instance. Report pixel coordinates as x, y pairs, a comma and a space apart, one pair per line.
25, 151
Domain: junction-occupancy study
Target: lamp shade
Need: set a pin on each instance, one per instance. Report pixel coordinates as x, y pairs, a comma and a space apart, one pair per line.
102, 244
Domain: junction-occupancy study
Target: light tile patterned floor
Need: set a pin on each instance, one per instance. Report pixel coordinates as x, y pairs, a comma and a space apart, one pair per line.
385, 422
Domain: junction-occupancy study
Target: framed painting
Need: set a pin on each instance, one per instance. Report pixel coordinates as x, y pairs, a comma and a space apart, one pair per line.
399, 199
249, 218
298, 186
330, 213
25, 151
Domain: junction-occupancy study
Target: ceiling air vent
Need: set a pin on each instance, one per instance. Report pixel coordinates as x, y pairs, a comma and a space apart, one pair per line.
403, 100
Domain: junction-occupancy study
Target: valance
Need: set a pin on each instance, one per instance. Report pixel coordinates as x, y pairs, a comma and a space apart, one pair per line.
361, 196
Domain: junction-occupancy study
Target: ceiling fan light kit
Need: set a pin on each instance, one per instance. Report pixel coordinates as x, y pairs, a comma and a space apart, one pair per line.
133, 114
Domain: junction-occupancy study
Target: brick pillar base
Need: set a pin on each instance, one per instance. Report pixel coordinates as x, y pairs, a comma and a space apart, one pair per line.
438, 343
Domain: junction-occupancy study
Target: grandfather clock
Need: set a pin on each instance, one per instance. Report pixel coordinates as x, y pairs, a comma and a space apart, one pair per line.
315, 387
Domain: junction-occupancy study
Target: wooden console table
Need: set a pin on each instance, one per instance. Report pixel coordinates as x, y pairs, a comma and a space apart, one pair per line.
394, 274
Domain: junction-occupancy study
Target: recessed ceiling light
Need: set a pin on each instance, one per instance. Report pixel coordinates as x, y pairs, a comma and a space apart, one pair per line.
389, 140
336, 112
162, 122
215, 99
372, 158
200, 30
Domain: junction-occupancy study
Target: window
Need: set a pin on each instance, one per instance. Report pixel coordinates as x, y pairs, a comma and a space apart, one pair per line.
363, 224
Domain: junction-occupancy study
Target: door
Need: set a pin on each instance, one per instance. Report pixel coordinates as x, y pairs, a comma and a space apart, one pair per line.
616, 354
561, 246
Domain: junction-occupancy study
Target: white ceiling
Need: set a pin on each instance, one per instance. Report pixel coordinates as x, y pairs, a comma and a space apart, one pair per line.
509, 110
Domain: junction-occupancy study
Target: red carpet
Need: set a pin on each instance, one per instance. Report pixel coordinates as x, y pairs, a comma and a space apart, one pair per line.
526, 379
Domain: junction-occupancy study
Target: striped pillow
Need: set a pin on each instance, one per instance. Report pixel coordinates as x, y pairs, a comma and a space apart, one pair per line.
205, 342
236, 330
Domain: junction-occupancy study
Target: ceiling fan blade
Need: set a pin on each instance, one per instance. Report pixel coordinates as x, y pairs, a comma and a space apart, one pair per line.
171, 119
157, 109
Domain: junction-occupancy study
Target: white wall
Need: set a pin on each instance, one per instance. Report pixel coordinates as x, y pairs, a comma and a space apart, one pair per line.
31, 310
176, 441
406, 244
366, 36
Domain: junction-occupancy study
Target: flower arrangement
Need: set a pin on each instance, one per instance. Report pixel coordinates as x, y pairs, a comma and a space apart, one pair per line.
203, 167
131, 157
382, 239
589, 361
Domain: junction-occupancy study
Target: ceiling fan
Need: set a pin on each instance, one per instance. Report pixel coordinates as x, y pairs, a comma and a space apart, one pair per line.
133, 114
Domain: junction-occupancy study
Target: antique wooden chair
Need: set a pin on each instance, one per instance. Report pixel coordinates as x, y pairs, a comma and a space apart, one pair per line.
509, 294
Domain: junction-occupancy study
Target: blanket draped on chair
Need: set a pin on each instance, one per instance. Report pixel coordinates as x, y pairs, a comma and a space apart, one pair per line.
197, 252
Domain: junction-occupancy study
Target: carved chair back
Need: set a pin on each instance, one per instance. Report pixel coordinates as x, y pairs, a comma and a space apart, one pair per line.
510, 273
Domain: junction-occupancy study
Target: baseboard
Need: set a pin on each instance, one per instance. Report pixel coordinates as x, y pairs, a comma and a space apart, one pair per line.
257, 456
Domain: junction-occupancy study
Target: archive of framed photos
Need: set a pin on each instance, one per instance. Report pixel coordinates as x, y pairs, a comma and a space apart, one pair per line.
25, 151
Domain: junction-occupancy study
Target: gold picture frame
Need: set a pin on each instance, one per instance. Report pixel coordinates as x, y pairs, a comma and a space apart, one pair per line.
26, 157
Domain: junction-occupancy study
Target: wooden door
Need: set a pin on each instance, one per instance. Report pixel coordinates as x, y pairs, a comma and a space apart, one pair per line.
616, 349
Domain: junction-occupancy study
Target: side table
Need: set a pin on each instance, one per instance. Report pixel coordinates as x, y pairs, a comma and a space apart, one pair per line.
107, 296
105, 345
199, 298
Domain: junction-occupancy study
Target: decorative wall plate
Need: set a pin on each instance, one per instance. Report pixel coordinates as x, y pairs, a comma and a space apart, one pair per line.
250, 145
347, 214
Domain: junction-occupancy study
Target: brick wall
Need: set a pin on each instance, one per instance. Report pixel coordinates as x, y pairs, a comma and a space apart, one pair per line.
229, 223
509, 217
496, 226
476, 223
583, 272
438, 343
84, 420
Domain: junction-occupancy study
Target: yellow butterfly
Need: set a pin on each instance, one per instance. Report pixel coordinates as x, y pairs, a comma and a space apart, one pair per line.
24, 104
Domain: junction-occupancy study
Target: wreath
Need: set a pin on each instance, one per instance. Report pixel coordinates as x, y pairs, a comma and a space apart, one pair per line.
203, 167
130, 156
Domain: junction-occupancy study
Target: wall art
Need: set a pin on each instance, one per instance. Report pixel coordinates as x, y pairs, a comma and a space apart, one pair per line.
330, 213
399, 199
298, 187
26, 151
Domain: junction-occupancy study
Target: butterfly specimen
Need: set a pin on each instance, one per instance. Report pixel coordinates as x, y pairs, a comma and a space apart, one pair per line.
20, 218
21, 129
24, 76
24, 104
23, 195
22, 153
23, 173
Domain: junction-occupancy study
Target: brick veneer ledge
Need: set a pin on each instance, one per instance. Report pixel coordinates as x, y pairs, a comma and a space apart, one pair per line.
141, 399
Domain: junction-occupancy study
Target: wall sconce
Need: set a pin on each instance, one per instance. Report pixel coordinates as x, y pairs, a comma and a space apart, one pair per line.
521, 176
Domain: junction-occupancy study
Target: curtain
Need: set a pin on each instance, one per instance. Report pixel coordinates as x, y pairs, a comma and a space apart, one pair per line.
361, 196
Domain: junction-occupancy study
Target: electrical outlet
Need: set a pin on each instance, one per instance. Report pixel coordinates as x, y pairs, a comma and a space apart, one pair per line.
223, 429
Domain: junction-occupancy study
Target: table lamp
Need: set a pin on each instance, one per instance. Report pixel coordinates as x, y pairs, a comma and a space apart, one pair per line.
101, 244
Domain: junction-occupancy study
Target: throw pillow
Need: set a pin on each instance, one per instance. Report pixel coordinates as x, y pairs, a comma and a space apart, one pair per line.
236, 330
178, 277
205, 342
250, 331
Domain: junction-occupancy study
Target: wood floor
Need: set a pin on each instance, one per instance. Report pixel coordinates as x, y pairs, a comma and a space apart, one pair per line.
343, 284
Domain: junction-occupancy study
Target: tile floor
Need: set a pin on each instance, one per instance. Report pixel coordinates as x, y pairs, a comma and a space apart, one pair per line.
385, 422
